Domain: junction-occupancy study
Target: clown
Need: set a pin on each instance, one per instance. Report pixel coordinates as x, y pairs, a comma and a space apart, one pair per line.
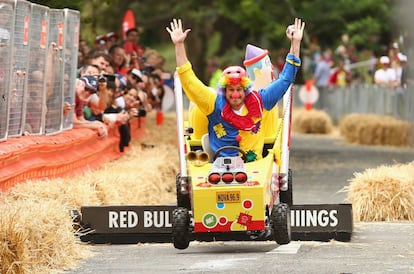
235, 112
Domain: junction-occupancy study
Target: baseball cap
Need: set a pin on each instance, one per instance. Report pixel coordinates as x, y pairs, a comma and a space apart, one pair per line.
111, 35
100, 39
91, 84
384, 60
402, 57
137, 73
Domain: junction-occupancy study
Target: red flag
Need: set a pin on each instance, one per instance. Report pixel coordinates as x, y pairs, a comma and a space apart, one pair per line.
128, 22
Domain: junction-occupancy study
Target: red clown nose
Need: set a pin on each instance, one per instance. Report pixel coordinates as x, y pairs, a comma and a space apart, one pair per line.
235, 95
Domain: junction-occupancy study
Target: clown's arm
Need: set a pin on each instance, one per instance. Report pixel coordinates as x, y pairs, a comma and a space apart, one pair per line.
195, 90
296, 36
274, 92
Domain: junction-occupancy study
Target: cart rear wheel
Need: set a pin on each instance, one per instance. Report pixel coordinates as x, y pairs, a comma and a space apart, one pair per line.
281, 223
180, 228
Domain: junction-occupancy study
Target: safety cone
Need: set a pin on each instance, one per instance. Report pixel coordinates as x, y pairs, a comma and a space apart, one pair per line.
160, 117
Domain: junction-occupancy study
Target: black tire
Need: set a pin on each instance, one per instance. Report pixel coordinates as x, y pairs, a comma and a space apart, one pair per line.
280, 218
287, 196
183, 200
180, 228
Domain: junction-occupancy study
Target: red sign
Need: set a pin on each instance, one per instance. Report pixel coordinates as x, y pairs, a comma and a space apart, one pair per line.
43, 35
60, 35
26, 30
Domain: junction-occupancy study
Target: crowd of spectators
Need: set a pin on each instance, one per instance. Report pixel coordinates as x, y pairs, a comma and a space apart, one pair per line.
343, 66
329, 68
117, 80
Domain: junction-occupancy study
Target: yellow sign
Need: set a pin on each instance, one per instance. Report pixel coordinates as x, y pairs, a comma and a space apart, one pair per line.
228, 197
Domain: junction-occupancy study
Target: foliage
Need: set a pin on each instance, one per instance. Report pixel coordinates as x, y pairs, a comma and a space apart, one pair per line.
60, 4
233, 23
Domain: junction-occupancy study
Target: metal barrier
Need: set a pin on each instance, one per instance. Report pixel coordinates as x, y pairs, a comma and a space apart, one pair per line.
38, 63
6, 36
364, 98
18, 80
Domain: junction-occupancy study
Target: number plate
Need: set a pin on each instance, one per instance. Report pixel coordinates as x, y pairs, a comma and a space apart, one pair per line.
228, 197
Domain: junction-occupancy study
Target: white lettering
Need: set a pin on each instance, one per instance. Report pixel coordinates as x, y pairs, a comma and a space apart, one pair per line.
147, 218
322, 218
122, 219
313, 218
132, 219
334, 219
157, 219
167, 219
113, 219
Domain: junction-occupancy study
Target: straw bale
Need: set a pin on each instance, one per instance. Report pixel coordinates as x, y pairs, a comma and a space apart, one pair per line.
36, 233
385, 193
311, 121
373, 129
37, 237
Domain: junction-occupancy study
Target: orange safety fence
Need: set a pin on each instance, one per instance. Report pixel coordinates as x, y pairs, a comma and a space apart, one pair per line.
64, 154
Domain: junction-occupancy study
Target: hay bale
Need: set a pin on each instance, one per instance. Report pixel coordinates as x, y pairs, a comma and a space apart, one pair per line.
36, 233
373, 129
311, 121
37, 237
385, 193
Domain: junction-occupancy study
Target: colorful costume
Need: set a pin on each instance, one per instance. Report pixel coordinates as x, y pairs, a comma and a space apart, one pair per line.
225, 127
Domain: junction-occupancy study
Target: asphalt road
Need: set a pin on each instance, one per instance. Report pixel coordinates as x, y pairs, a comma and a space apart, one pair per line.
321, 168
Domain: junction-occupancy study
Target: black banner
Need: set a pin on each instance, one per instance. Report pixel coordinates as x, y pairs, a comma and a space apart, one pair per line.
329, 218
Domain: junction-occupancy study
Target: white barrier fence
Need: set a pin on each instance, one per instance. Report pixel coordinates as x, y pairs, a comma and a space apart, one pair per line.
364, 98
38, 62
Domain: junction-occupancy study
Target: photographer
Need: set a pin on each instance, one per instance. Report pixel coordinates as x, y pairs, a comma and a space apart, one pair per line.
98, 101
85, 86
117, 117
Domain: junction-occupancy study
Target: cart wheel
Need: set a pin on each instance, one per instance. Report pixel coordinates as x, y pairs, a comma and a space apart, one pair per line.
183, 200
281, 223
180, 228
287, 196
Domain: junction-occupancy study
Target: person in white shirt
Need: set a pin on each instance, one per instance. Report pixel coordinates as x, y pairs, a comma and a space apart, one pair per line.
385, 76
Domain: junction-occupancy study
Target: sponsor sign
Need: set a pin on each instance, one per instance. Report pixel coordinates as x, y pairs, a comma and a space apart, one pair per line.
306, 219
321, 218
128, 219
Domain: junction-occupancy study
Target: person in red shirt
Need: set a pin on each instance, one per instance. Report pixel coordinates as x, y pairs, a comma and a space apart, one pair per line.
340, 76
133, 49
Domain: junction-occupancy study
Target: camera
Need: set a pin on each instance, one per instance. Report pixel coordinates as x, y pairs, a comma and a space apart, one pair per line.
141, 112
101, 79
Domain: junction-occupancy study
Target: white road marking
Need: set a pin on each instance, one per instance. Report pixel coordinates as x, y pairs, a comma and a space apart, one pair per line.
220, 264
291, 248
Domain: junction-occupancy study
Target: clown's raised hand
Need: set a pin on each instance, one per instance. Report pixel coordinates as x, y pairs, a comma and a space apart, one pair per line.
295, 31
176, 31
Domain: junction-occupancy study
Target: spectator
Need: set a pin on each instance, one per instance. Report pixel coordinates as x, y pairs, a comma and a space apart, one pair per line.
100, 43
89, 69
139, 81
118, 60
131, 44
85, 86
385, 76
340, 76
321, 79
117, 117
214, 72
111, 40
100, 59
155, 91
